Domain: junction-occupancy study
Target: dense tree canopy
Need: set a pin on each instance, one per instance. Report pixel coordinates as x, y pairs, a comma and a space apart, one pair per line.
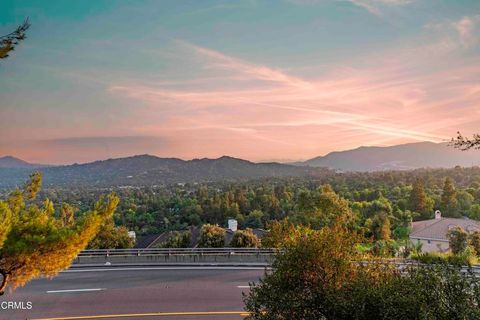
371, 201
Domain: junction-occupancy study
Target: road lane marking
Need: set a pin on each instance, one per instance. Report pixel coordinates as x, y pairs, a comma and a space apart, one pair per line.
154, 314
243, 287
75, 290
163, 268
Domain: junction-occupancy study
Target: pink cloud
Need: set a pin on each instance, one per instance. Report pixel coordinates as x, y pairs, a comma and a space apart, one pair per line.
390, 101
236, 107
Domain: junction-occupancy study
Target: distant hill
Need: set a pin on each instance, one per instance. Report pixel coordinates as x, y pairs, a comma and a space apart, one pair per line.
399, 157
150, 170
147, 170
12, 162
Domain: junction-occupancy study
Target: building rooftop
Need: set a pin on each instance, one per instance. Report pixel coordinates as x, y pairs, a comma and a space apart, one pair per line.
437, 229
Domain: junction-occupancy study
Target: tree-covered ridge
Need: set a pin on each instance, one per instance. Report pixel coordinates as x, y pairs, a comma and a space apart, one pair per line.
147, 170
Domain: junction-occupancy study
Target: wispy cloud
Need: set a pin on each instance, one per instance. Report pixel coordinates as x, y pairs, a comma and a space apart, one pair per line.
375, 6
315, 76
389, 101
372, 6
256, 71
466, 28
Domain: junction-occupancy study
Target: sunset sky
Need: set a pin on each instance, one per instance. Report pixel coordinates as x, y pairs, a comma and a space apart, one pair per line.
259, 80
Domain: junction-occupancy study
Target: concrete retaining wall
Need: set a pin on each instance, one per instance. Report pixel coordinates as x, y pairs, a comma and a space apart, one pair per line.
177, 259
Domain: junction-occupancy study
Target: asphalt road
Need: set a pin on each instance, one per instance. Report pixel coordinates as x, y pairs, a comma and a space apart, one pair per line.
107, 291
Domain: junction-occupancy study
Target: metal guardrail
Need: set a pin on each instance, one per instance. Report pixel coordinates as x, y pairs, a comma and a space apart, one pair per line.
176, 251
230, 252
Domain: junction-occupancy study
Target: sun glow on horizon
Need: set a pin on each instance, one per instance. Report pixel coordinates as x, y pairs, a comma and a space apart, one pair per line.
320, 77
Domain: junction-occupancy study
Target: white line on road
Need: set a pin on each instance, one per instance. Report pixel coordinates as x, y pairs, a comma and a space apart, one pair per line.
163, 268
243, 287
75, 290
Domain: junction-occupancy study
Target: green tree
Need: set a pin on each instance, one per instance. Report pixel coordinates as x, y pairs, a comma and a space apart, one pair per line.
211, 236
111, 237
244, 239
319, 277
474, 212
402, 224
464, 202
474, 241
178, 240
9, 41
34, 242
381, 227
449, 198
419, 201
322, 208
281, 233
310, 265
457, 239
254, 219
384, 248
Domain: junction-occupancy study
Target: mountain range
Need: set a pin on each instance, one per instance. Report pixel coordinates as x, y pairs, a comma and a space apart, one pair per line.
147, 170
150, 170
399, 157
15, 163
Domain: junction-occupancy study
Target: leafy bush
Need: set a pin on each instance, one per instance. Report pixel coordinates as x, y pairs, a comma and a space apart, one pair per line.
281, 233
318, 277
465, 258
457, 239
178, 240
111, 237
474, 240
430, 257
364, 247
244, 239
211, 236
384, 248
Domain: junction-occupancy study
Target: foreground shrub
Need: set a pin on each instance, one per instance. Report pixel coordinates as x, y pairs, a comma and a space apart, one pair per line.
36, 241
320, 276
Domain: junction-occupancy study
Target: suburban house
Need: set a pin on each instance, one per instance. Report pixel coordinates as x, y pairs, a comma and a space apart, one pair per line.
433, 233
